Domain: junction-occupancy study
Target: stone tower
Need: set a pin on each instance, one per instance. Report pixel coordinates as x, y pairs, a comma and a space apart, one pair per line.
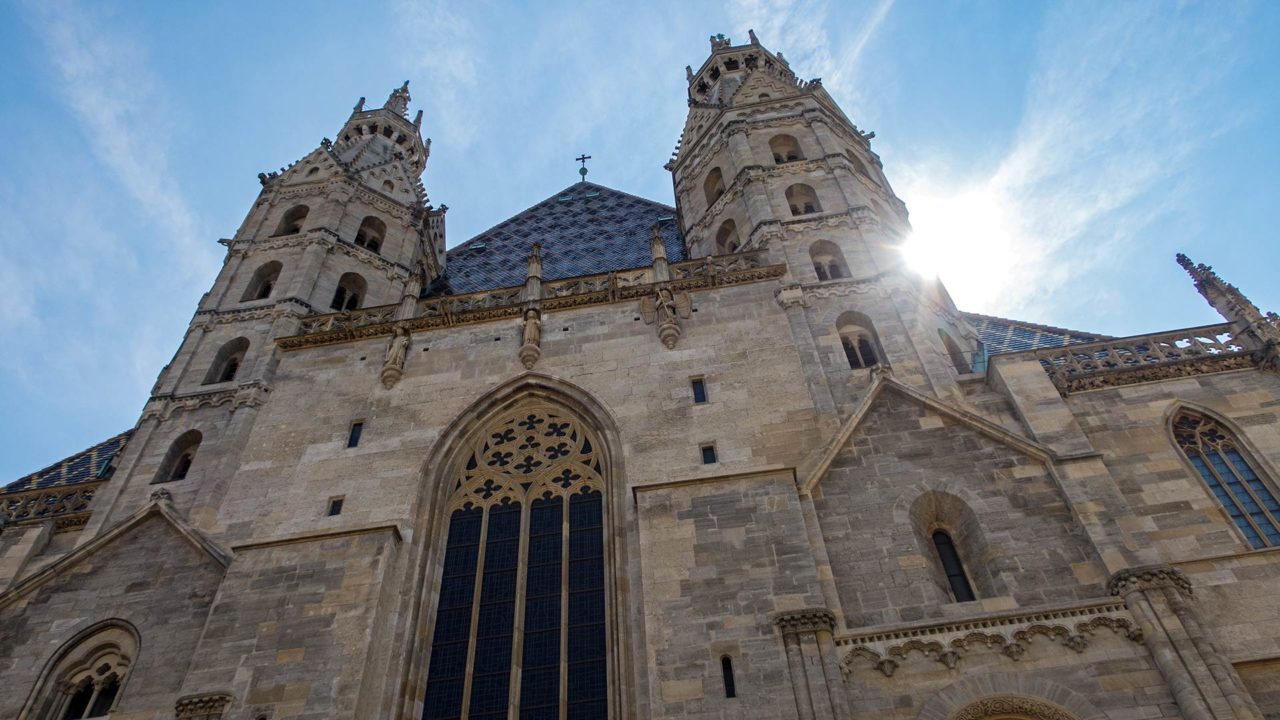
346, 227
768, 160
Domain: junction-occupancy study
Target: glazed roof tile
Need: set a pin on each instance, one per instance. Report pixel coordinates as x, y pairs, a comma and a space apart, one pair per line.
585, 229
1003, 335
84, 466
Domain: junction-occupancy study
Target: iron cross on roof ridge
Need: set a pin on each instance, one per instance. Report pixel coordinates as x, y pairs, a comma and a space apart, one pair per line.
583, 158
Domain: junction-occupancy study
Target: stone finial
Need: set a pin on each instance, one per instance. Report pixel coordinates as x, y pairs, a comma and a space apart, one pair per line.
535, 261
751, 35
359, 105
1148, 577
688, 73
1231, 303
417, 121
719, 42
398, 101
658, 248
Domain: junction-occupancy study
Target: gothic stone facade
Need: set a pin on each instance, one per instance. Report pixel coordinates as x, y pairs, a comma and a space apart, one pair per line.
615, 458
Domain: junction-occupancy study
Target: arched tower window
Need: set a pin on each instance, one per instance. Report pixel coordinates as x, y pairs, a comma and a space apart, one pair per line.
226, 363
291, 223
858, 165
1248, 498
828, 261
177, 461
713, 186
524, 575
857, 340
349, 293
953, 350
785, 149
803, 200
263, 281
372, 231
727, 238
86, 677
957, 579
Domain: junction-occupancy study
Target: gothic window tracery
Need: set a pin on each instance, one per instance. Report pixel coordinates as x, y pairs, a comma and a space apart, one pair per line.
1234, 480
87, 677
523, 575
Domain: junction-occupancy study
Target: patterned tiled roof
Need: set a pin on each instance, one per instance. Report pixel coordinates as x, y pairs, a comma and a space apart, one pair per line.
583, 230
84, 466
1003, 335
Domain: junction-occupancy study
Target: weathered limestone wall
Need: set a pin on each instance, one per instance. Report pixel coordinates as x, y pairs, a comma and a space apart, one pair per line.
909, 471
153, 579
720, 559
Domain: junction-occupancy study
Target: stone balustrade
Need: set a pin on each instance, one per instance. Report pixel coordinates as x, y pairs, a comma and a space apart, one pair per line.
1144, 358
66, 505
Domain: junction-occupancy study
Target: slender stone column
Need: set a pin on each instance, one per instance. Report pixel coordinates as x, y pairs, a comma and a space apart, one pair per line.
1203, 683
818, 686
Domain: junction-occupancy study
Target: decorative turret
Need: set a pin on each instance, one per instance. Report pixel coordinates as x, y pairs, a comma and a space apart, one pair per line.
1232, 304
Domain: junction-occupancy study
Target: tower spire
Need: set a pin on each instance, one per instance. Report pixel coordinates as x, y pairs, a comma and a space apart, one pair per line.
398, 101
1232, 304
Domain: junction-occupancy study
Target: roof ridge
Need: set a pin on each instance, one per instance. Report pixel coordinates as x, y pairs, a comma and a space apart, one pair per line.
1039, 326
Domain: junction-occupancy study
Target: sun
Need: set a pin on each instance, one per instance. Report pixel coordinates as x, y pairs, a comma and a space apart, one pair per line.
967, 239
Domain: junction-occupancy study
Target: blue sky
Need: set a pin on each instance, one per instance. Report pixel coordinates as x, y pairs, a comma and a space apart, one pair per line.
1054, 156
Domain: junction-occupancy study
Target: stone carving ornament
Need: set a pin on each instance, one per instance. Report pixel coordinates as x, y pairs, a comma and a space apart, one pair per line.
1011, 706
531, 340
666, 308
397, 351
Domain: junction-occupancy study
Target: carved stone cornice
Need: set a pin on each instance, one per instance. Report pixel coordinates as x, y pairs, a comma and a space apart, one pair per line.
1148, 577
504, 303
204, 706
327, 239
805, 620
249, 394
289, 307
1007, 633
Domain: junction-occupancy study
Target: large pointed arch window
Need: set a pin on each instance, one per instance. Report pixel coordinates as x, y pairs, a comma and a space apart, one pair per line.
523, 581
1235, 482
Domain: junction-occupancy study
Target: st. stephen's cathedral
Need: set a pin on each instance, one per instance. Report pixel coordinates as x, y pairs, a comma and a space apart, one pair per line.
614, 458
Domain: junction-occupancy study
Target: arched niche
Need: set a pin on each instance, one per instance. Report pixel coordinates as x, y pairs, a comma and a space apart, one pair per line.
727, 241
227, 361
802, 200
350, 293
371, 234
828, 261
858, 340
713, 185
785, 149
263, 281
291, 222
179, 457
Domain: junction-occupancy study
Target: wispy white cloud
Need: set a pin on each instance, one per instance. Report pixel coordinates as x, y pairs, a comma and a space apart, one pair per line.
441, 49
1115, 106
107, 84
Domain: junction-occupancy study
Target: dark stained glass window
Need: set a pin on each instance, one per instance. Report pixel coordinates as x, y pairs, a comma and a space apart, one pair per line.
1216, 457
952, 566
523, 583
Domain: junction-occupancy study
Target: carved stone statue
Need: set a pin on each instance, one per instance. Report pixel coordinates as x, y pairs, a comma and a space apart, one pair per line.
531, 341
397, 351
665, 308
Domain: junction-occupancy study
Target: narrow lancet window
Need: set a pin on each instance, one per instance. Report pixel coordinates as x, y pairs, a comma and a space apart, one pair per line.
961, 590
726, 669
1216, 455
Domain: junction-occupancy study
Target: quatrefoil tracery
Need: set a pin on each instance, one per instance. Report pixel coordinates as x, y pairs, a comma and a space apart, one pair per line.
528, 454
